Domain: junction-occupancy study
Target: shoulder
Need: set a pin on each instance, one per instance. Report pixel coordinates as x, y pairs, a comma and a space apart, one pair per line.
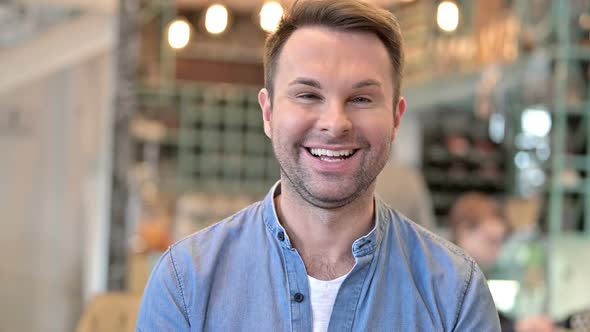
193, 262
221, 235
440, 270
191, 267
420, 242
430, 256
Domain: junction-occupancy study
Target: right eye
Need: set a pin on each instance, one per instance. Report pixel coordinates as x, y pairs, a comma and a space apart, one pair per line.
308, 96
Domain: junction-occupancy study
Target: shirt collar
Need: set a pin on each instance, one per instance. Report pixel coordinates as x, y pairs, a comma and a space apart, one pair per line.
363, 246
271, 219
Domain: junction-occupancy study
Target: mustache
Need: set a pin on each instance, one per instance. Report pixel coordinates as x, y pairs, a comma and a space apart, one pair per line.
326, 139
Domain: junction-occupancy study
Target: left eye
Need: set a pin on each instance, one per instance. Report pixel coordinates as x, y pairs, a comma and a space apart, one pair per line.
360, 100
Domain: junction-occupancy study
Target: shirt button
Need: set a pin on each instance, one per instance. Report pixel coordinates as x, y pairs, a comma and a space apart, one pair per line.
281, 236
298, 297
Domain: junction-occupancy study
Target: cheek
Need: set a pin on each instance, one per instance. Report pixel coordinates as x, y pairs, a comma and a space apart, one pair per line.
474, 247
471, 245
375, 122
291, 122
378, 128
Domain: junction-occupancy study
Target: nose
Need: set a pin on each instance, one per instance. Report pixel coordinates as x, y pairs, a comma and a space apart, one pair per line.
335, 120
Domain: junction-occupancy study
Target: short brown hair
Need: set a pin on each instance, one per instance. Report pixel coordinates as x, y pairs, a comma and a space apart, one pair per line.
346, 15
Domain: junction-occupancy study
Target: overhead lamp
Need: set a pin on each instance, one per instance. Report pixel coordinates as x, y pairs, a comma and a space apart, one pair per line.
270, 16
179, 33
447, 16
536, 121
216, 19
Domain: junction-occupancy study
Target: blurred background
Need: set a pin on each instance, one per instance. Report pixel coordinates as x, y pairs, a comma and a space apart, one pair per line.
126, 125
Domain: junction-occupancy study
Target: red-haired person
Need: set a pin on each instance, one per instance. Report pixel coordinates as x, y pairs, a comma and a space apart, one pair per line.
479, 226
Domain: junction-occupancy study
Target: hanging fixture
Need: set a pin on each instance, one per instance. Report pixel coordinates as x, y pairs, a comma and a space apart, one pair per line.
216, 19
179, 33
447, 16
270, 16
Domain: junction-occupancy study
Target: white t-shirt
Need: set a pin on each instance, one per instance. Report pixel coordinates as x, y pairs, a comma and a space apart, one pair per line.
323, 295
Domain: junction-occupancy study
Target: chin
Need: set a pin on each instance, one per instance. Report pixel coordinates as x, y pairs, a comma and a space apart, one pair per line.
328, 203
330, 199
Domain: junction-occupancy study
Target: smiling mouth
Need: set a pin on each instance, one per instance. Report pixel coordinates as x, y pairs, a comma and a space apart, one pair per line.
331, 155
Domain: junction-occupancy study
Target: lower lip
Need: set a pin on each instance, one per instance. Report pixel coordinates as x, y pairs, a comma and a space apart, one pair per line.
331, 166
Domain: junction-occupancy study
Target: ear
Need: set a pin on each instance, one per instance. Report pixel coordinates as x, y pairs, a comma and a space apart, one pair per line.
266, 107
398, 114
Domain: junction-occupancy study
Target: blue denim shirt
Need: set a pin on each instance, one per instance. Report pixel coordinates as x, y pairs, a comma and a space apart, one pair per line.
242, 274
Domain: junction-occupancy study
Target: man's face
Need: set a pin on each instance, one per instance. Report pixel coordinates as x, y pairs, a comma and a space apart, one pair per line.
332, 118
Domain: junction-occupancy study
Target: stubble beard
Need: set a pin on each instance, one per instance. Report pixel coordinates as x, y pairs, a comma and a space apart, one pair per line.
301, 181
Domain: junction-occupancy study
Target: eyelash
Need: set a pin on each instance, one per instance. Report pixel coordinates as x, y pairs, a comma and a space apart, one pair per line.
364, 99
312, 96
308, 96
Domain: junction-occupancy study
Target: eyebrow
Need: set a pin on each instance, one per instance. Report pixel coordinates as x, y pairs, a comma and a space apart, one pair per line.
306, 81
368, 82
316, 84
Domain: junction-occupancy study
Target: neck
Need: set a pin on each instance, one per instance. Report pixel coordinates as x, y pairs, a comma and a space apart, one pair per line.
324, 237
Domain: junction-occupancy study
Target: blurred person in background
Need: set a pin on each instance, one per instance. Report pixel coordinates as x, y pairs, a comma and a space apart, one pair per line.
479, 226
401, 183
320, 251
403, 188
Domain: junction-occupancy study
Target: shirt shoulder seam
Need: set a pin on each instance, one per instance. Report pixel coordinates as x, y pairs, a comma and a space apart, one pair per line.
179, 284
463, 292
449, 246
217, 225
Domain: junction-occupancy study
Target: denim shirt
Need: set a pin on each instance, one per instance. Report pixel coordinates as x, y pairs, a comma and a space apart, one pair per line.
242, 274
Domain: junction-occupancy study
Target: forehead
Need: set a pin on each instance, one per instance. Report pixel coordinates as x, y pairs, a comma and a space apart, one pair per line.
334, 54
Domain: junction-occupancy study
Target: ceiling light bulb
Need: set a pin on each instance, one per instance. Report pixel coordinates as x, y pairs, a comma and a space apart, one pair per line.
536, 121
447, 16
179, 33
270, 16
216, 19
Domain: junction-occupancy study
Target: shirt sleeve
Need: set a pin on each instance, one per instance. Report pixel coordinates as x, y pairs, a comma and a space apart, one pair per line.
163, 307
477, 311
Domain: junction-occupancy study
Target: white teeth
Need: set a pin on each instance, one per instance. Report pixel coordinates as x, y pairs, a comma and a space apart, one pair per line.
331, 153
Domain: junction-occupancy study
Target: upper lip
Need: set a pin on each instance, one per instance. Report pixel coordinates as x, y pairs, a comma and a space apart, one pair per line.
331, 147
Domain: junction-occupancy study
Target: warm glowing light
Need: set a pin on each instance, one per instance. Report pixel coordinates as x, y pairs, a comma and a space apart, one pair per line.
447, 16
270, 16
216, 19
179, 33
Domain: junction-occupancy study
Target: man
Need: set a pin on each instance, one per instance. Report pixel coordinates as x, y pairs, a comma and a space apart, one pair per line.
320, 253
